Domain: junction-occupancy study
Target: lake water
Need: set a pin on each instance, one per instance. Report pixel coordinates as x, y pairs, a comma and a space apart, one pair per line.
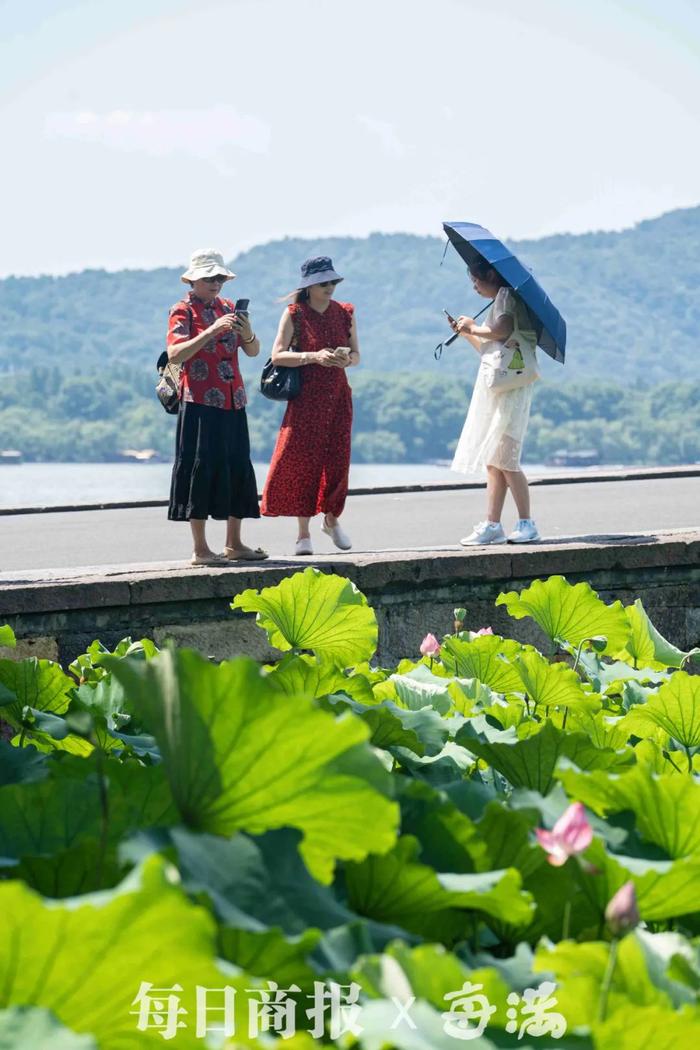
54, 484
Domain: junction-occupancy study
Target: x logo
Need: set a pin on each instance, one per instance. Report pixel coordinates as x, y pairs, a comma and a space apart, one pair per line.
403, 1012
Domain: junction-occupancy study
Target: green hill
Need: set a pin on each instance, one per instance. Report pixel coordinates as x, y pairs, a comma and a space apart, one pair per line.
77, 353
628, 298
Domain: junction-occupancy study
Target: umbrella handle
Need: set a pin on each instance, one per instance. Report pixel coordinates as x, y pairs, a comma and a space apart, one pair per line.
437, 352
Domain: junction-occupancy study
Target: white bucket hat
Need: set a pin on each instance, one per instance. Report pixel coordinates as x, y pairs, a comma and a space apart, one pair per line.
206, 262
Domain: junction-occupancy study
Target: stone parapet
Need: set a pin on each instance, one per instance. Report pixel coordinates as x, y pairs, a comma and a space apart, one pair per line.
412, 591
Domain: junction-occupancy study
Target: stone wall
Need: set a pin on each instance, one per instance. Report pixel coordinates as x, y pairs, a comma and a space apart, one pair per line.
412, 592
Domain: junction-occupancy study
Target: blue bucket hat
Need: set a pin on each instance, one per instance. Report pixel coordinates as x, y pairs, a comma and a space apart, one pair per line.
317, 270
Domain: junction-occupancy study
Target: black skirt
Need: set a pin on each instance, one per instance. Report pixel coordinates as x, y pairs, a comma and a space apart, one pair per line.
212, 476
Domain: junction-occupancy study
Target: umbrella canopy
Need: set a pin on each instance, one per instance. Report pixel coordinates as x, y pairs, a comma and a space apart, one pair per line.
475, 244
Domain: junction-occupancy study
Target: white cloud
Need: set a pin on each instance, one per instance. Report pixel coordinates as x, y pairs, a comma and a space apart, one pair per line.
211, 132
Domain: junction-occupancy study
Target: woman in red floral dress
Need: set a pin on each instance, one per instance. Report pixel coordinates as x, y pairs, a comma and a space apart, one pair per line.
310, 465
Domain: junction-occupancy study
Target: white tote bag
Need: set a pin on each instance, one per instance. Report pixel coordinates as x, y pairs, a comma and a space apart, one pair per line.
512, 364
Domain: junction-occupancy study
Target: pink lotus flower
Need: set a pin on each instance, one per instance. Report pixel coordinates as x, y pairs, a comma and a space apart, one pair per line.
430, 646
622, 913
570, 835
483, 630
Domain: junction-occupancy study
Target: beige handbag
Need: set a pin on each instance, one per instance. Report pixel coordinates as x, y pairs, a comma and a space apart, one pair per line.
510, 365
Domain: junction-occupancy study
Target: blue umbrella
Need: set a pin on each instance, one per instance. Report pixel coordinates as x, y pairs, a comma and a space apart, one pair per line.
475, 244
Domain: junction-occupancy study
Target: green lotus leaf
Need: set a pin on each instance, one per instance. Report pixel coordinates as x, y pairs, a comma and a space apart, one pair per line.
256, 883
420, 688
35, 1029
531, 763
646, 647
301, 675
240, 755
666, 807
551, 684
318, 611
648, 1028
609, 678
269, 955
603, 730
397, 888
566, 613
449, 838
507, 835
7, 636
39, 684
20, 764
579, 971
56, 741
487, 658
665, 889
423, 732
87, 667
93, 953
428, 972
675, 708
55, 825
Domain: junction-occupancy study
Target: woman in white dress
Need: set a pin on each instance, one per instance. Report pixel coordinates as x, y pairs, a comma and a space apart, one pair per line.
494, 430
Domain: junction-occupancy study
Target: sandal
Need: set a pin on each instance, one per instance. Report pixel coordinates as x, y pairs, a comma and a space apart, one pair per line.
208, 559
232, 554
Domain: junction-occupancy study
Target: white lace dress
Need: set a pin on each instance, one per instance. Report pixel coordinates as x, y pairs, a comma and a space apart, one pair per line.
494, 429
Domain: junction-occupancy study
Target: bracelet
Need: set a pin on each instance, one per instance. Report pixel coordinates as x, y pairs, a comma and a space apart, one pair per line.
251, 340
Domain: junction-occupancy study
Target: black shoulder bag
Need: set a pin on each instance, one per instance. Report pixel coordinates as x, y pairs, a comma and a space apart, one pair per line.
168, 385
280, 382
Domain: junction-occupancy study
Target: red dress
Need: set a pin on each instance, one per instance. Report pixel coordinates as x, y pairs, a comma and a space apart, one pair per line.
310, 465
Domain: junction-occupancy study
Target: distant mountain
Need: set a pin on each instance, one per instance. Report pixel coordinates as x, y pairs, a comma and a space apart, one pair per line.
630, 300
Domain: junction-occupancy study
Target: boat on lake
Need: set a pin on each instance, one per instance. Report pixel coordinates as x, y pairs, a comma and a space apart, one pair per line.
585, 457
10, 455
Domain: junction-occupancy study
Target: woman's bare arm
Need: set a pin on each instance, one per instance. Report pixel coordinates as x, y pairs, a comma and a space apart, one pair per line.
282, 355
478, 334
178, 353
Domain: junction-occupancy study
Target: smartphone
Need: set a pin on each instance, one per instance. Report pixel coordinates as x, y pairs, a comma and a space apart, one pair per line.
449, 316
241, 307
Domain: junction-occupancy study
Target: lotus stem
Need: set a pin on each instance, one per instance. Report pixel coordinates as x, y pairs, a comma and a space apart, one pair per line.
667, 754
607, 980
578, 653
104, 818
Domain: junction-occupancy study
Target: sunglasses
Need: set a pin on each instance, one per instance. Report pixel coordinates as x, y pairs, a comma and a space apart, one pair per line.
214, 280
328, 284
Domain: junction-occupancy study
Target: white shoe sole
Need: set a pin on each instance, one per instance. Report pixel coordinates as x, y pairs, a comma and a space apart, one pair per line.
483, 543
532, 539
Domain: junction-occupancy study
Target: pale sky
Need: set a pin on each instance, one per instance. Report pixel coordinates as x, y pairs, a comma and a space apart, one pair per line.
138, 130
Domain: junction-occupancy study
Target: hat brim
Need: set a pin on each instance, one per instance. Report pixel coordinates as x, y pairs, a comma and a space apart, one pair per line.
319, 278
196, 273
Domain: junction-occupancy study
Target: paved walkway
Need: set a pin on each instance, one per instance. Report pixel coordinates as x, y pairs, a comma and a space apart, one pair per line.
49, 545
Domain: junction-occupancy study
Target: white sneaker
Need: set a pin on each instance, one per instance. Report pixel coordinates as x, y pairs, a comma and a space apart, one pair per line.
525, 532
340, 538
483, 533
303, 546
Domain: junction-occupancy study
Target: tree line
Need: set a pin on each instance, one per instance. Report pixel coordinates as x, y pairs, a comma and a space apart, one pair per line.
413, 417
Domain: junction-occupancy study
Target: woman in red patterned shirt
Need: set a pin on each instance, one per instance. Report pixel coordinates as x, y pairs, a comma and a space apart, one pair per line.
213, 475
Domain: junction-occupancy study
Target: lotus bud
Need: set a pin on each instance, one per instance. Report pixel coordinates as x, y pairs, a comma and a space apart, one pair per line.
483, 630
622, 913
430, 646
460, 616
